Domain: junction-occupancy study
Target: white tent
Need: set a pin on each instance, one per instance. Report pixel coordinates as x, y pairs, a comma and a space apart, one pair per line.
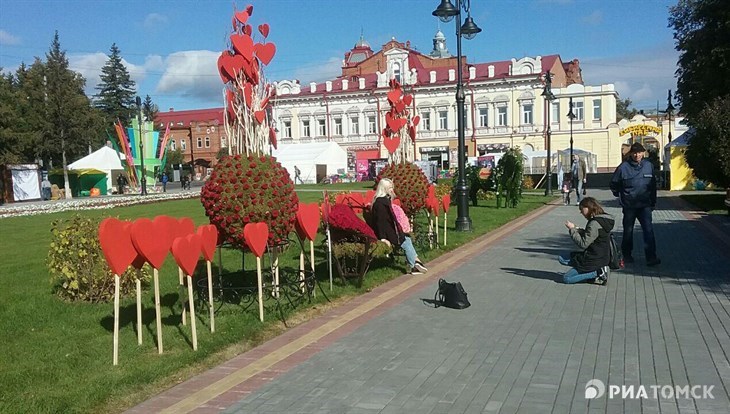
105, 159
328, 155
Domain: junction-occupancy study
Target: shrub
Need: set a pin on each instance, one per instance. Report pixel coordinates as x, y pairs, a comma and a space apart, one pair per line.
77, 266
527, 183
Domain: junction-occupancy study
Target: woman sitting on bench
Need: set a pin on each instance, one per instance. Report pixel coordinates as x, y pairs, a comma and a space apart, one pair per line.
388, 230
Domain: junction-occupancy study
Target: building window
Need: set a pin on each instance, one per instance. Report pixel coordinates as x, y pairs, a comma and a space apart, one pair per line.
354, 130
502, 116
371, 125
338, 126
443, 120
483, 117
426, 120
321, 128
223, 142
305, 128
597, 109
555, 115
396, 71
207, 142
172, 144
183, 145
287, 129
578, 110
199, 142
527, 114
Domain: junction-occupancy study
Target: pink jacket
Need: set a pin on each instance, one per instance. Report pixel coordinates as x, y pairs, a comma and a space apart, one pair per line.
402, 219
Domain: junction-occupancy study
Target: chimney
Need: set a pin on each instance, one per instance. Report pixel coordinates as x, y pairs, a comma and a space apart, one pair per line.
172, 109
328, 86
432, 76
472, 72
345, 84
491, 71
452, 74
361, 83
313, 87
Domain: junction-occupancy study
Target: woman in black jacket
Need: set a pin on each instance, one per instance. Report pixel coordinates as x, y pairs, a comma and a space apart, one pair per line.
592, 261
386, 226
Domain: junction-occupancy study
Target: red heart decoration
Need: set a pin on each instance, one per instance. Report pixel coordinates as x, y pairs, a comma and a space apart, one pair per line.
247, 30
116, 244
242, 16
395, 124
369, 195
170, 226
264, 30
446, 202
151, 240
433, 204
249, 9
184, 227
186, 251
396, 202
234, 23
223, 65
272, 137
208, 240
265, 52
237, 64
340, 198
248, 94
416, 120
391, 143
394, 96
399, 106
408, 99
356, 200
243, 45
259, 115
412, 133
308, 219
255, 235
431, 192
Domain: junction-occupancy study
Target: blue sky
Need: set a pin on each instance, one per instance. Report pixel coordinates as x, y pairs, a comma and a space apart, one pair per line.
170, 47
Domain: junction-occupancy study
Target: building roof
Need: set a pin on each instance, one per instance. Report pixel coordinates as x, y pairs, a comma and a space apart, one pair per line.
178, 119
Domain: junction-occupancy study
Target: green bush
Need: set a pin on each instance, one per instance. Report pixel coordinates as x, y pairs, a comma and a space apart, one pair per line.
77, 266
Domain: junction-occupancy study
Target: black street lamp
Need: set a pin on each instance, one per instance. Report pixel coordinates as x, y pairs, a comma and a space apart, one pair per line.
143, 180
571, 117
670, 109
548, 95
445, 12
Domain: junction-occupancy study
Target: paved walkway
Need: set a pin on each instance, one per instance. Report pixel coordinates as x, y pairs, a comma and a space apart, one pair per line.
528, 343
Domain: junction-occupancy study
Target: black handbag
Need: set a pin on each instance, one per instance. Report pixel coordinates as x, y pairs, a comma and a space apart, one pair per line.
451, 295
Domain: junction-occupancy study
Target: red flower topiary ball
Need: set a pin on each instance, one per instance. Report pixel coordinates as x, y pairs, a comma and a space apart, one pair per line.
251, 189
410, 184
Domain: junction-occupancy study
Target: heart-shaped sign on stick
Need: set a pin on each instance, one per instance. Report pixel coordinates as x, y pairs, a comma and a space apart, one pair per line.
408, 99
264, 30
242, 16
446, 202
394, 95
255, 235
185, 226
243, 45
116, 244
391, 143
259, 115
186, 251
265, 52
151, 240
416, 120
169, 225
208, 240
308, 219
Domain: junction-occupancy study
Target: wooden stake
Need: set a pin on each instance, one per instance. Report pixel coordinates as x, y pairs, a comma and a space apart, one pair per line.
210, 297
301, 271
139, 310
192, 313
275, 252
445, 221
180, 274
261, 288
311, 255
437, 229
116, 320
156, 277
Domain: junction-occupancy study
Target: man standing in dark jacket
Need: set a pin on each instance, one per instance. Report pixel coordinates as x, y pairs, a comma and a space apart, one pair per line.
635, 185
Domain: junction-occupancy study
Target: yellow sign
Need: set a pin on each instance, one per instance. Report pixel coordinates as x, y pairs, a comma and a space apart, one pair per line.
640, 130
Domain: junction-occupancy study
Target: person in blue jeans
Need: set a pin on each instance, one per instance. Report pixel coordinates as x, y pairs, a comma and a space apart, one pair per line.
591, 263
386, 227
634, 183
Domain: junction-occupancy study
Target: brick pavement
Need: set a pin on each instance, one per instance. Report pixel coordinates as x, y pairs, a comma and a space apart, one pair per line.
528, 343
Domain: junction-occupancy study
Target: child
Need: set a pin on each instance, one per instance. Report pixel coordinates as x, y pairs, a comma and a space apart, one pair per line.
566, 190
592, 261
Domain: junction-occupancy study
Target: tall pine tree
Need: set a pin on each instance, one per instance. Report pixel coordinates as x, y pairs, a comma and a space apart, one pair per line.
149, 109
116, 90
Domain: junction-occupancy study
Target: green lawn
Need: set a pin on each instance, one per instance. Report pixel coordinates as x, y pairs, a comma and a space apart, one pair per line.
57, 356
711, 202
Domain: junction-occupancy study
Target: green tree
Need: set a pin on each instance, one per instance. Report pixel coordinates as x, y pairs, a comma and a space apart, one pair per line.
174, 157
9, 118
702, 37
711, 141
149, 109
30, 104
623, 110
116, 90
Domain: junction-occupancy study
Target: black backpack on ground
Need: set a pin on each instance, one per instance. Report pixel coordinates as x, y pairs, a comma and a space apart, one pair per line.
616, 258
451, 295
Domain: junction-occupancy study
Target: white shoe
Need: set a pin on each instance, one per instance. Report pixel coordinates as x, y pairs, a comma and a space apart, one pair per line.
420, 267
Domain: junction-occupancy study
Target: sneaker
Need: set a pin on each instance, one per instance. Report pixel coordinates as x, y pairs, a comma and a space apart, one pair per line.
420, 267
653, 262
603, 273
416, 272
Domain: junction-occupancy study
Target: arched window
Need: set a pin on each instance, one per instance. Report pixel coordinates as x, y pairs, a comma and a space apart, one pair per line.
396, 71
207, 141
172, 144
199, 142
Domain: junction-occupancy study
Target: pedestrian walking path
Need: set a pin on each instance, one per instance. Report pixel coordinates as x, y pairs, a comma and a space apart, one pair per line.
528, 343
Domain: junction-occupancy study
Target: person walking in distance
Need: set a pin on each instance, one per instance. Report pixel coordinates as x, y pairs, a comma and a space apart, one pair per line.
121, 183
164, 182
634, 184
579, 173
297, 175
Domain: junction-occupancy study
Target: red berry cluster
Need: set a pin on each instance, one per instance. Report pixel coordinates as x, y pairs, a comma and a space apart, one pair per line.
410, 185
343, 219
251, 189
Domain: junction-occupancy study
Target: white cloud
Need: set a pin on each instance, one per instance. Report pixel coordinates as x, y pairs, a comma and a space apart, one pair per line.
154, 21
193, 74
594, 18
89, 65
331, 69
642, 77
8, 39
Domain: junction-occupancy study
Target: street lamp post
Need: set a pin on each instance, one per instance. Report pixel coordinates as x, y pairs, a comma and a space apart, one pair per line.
143, 180
445, 12
571, 117
548, 95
